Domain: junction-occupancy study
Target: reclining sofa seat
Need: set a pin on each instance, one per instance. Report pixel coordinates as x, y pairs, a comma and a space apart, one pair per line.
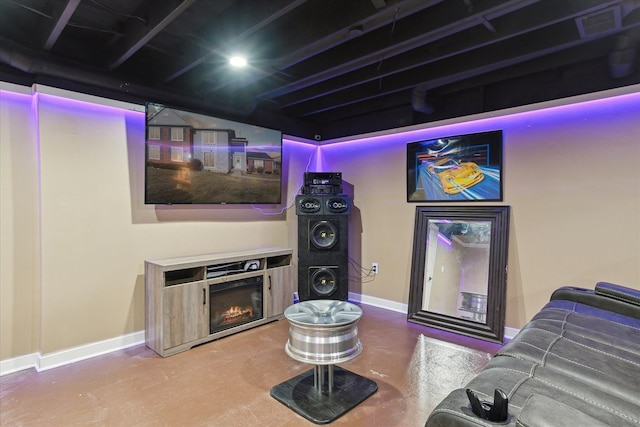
576, 363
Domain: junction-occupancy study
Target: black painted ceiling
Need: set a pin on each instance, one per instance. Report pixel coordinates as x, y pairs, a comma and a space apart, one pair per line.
324, 68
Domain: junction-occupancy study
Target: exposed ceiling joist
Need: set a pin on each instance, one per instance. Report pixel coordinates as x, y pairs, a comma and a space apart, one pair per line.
188, 64
329, 67
60, 20
507, 53
139, 35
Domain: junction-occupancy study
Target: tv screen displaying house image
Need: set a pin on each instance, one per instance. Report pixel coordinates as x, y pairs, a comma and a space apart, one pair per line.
194, 158
455, 168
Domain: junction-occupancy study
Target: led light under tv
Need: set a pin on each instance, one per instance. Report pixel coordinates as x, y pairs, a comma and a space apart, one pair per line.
194, 158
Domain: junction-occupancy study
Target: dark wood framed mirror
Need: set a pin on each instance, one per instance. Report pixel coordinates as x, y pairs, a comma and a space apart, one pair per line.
459, 270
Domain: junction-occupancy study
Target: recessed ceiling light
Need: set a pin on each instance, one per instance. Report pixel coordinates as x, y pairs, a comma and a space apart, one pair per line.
238, 61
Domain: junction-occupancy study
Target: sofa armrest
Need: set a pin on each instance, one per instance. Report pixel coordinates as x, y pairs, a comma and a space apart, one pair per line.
606, 296
622, 293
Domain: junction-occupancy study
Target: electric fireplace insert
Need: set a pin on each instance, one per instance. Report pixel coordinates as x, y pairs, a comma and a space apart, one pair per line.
235, 303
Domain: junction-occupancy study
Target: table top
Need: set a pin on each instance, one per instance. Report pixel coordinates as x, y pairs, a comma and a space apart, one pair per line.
323, 312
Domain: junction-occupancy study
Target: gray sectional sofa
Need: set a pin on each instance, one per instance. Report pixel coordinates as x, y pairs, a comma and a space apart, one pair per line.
576, 363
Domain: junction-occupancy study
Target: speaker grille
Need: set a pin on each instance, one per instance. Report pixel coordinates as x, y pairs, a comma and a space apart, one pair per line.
308, 205
323, 234
324, 281
323, 204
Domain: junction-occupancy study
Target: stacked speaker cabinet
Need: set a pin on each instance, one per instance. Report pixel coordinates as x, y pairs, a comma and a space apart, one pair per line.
323, 246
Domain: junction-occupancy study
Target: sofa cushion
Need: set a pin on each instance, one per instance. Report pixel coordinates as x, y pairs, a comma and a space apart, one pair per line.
542, 411
599, 352
577, 362
521, 379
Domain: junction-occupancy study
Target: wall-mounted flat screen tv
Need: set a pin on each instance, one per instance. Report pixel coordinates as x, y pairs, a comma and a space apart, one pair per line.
459, 168
194, 158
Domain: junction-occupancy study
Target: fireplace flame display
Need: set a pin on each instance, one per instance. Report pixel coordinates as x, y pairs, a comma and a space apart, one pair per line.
235, 314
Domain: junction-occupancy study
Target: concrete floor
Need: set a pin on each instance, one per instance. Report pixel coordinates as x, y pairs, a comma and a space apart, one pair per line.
226, 382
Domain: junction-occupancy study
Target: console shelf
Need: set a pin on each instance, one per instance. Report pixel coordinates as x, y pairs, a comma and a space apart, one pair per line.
177, 294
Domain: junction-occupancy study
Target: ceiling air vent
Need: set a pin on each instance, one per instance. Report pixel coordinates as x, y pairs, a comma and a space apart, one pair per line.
600, 22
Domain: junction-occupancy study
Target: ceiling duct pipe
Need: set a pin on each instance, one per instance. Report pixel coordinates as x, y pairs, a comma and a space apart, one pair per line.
421, 101
30, 62
37, 64
622, 57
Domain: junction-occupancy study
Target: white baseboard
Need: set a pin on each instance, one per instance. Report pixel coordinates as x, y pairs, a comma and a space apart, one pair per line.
379, 302
510, 332
19, 363
64, 357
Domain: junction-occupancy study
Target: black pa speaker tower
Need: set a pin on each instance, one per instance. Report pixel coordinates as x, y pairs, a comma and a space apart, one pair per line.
323, 247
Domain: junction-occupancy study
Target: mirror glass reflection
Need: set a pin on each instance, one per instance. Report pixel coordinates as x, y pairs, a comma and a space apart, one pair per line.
456, 275
459, 270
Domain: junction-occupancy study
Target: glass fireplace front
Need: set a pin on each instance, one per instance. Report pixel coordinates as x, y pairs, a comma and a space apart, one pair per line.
235, 303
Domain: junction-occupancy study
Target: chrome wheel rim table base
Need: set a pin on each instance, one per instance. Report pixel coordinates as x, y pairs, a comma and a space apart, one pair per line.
322, 333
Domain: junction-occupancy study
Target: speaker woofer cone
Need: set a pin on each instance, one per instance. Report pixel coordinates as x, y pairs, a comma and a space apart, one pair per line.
323, 281
323, 235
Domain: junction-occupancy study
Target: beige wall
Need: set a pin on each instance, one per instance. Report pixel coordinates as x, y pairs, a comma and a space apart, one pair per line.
75, 231
75, 168
571, 177
19, 224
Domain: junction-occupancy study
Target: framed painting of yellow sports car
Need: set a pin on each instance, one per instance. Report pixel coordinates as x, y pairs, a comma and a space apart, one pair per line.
461, 168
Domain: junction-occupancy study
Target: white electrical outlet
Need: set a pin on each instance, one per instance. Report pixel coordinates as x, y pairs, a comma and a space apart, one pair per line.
374, 268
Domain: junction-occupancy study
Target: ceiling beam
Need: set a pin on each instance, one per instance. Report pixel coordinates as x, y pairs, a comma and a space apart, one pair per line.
396, 47
316, 40
161, 15
371, 23
188, 64
538, 17
60, 18
322, 42
457, 69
